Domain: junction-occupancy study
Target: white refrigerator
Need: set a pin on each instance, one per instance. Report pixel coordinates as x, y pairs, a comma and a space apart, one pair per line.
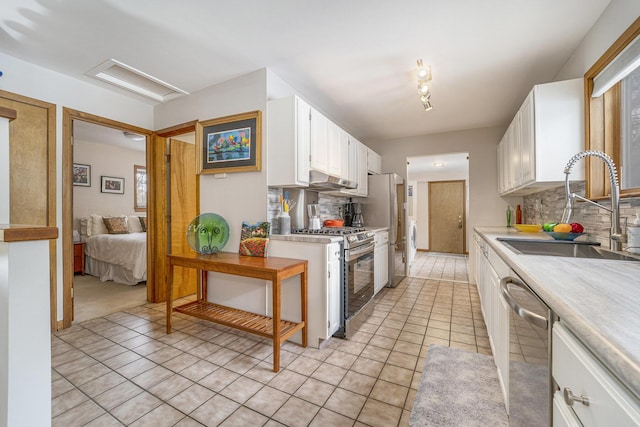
385, 207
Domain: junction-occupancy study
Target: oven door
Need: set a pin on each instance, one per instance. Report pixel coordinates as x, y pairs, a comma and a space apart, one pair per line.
359, 277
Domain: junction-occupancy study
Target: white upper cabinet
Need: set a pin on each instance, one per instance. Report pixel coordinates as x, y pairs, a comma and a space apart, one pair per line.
336, 155
363, 176
288, 142
319, 142
374, 162
545, 133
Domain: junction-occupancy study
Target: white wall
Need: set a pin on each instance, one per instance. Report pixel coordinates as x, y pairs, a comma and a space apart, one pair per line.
238, 196
422, 202
485, 206
105, 160
616, 18
36, 82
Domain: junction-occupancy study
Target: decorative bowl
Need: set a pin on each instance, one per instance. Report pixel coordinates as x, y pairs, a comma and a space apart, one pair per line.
528, 228
563, 236
208, 233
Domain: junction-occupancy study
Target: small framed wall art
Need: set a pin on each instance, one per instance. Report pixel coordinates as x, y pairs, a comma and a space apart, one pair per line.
81, 175
112, 185
230, 144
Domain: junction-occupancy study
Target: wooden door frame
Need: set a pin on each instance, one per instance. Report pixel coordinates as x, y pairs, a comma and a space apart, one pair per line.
157, 230
464, 213
68, 116
52, 193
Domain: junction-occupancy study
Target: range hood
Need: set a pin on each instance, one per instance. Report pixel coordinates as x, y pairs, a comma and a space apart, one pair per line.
321, 181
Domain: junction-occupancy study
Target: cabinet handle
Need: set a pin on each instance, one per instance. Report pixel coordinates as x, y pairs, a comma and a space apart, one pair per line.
569, 398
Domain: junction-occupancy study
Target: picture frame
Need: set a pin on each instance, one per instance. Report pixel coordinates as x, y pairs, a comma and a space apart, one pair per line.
112, 184
230, 144
81, 175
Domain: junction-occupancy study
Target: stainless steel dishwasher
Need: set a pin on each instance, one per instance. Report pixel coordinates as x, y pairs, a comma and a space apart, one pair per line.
530, 384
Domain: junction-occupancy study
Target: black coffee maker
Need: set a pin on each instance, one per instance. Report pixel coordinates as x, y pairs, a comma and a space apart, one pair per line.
348, 214
356, 216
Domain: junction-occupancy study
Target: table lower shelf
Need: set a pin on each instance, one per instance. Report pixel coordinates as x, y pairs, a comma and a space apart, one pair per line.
238, 319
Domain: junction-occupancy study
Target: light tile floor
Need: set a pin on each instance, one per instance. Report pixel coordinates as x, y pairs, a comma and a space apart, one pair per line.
122, 369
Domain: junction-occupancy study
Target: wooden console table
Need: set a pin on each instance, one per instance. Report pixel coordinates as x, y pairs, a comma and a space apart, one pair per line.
271, 268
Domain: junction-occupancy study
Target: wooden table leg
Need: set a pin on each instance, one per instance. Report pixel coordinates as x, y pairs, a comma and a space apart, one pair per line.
204, 279
303, 304
276, 324
169, 295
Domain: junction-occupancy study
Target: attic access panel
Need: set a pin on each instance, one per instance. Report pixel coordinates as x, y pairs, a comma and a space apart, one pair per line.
126, 77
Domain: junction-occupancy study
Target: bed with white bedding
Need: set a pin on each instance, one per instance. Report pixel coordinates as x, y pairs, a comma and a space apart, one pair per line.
120, 257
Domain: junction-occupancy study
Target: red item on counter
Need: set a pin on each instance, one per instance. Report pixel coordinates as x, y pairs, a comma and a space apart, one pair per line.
518, 215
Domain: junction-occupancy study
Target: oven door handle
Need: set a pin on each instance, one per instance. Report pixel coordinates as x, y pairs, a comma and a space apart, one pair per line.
530, 316
358, 252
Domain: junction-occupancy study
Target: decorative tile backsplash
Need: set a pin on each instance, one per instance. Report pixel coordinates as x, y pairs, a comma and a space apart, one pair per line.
548, 205
329, 206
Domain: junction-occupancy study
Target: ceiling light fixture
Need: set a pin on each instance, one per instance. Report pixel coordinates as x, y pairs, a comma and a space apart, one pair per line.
438, 164
424, 85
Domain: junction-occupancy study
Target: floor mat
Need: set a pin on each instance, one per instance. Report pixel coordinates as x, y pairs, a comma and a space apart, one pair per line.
458, 388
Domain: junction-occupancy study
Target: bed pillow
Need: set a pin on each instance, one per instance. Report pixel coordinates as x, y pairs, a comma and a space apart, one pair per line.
96, 226
83, 225
134, 224
116, 225
143, 223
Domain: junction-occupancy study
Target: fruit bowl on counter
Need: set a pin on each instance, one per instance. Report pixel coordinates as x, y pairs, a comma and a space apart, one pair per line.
528, 228
569, 236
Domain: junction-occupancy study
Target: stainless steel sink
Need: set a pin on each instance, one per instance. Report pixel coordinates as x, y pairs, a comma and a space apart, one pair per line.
563, 249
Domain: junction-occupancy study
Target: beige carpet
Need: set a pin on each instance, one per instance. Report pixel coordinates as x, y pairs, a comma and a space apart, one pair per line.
93, 298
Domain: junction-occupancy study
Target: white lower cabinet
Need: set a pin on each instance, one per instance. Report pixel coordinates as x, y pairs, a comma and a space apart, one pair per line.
323, 288
334, 285
381, 261
589, 394
490, 269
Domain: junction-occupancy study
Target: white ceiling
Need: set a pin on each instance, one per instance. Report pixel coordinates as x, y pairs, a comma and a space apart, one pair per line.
96, 134
355, 60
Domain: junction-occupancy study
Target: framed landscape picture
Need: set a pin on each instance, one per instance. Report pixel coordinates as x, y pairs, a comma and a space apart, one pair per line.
112, 185
230, 144
81, 175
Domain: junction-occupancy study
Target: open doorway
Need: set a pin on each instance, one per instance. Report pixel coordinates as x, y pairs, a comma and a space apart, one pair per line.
109, 220
421, 171
90, 174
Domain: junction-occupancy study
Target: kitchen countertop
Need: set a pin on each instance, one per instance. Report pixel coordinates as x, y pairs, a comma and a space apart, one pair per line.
599, 300
307, 238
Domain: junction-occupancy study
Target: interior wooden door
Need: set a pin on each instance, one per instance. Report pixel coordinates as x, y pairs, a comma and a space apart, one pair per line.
32, 161
183, 208
447, 216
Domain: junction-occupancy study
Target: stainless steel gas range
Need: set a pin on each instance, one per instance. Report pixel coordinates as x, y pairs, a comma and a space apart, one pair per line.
357, 275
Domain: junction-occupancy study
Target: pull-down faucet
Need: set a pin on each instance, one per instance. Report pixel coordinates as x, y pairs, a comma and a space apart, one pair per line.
615, 234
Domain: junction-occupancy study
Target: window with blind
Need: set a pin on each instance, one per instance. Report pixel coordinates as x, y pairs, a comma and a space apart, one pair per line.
612, 104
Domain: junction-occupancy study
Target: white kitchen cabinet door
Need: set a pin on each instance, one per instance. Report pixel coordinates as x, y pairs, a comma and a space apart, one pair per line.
337, 156
381, 261
501, 167
334, 287
549, 133
527, 141
363, 176
319, 142
289, 139
374, 162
